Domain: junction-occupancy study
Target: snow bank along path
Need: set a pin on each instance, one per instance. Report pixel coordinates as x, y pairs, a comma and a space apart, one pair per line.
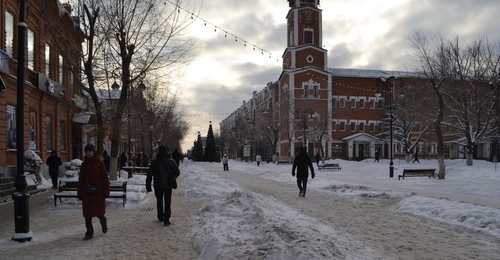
373, 221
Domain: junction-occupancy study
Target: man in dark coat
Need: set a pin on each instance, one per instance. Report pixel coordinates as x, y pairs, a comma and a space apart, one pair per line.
317, 157
107, 159
93, 173
302, 162
164, 170
54, 162
177, 156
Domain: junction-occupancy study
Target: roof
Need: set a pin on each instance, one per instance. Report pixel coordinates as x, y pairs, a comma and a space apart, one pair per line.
366, 73
360, 137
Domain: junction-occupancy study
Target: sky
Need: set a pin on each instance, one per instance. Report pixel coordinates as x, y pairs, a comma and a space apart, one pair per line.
233, 222
358, 34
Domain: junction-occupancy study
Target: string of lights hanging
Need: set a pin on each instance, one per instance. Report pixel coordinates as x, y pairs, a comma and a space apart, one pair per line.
220, 29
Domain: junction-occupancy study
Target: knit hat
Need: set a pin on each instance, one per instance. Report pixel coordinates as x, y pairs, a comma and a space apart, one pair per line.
90, 147
163, 149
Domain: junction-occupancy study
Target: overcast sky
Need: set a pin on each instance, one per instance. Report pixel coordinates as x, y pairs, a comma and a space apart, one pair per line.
358, 34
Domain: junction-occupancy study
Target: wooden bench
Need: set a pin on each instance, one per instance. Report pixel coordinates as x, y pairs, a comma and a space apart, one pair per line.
69, 189
335, 166
417, 173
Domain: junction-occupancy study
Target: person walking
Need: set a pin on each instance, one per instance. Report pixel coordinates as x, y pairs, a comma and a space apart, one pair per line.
106, 159
258, 159
415, 157
301, 163
377, 156
224, 161
164, 170
177, 156
93, 189
317, 157
54, 162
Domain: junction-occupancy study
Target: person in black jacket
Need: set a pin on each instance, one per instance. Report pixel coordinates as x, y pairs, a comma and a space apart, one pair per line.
107, 159
164, 170
177, 156
54, 162
302, 162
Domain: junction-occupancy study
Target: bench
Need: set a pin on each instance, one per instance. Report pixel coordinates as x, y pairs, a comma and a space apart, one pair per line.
69, 189
335, 166
417, 173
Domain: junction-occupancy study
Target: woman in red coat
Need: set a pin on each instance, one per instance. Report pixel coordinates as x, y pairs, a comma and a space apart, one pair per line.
93, 188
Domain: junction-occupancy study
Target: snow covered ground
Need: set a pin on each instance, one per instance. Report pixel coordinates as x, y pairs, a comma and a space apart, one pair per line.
253, 212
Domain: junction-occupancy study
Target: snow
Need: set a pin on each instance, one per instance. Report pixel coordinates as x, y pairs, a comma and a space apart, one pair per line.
232, 222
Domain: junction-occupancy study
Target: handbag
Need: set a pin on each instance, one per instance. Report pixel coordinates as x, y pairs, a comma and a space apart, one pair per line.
172, 182
93, 189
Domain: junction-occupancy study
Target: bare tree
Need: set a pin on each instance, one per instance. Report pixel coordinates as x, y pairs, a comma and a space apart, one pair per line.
434, 65
143, 39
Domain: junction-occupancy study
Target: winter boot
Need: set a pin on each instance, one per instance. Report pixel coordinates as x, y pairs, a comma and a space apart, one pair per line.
104, 224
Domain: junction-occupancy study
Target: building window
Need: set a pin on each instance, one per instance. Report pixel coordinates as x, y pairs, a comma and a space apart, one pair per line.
361, 127
381, 104
31, 50
306, 91
48, 126
372, 103
9, 33
334, 102
61, 69
361, 103
353, 102
342, 102
47, 60
62, 127
316, 91
342, 126
308, 36
11, 127
32, 131
334, 126
353, 126
372, 127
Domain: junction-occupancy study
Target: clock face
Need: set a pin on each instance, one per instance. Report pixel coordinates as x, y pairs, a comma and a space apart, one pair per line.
308, 16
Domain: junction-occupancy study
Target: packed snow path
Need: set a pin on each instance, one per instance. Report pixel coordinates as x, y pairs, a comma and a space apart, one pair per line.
255, 213
373, 222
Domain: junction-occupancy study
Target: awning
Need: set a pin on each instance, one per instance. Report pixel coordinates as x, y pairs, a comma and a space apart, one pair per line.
85, 118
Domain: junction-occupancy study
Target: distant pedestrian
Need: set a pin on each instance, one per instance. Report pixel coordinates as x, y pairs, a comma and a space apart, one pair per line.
258, 159
415, 158
377, 156
54, 162
302, 162
93, 189
177, 156
224, 161
106, 159
317, 157
165, 171
122, 160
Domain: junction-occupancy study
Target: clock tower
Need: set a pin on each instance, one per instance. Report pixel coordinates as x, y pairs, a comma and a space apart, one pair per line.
304, 33
305, 83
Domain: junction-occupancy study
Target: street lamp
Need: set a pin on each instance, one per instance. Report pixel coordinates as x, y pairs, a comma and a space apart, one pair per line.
389, 85
20, 196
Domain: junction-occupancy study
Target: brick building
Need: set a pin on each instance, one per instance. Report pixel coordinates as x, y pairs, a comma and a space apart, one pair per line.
52, 87
333, 111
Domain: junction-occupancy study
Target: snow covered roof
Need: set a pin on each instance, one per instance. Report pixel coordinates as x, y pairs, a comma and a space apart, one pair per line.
366, 73
360, 137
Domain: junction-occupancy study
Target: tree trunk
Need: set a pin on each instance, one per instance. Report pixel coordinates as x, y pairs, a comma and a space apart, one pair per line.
470, 159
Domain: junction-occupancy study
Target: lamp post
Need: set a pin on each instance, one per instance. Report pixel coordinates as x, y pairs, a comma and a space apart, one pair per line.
389, 85
20, 196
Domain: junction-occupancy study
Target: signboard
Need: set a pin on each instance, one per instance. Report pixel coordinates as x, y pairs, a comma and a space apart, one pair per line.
246, 150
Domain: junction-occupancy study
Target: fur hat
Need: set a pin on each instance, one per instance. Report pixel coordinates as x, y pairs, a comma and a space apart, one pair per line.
90, 147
